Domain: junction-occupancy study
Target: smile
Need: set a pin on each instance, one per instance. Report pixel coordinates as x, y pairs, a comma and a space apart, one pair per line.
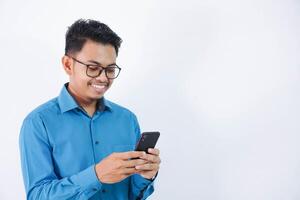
98, 86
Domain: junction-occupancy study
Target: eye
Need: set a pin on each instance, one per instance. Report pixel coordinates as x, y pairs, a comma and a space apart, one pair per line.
93, 68
110, 69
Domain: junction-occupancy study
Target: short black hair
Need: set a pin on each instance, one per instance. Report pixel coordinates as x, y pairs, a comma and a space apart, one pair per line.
87, 29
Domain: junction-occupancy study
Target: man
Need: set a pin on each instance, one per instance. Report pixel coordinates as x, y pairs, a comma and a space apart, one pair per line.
79, 145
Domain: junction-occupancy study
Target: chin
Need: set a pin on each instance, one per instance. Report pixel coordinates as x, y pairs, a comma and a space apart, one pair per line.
96, 97
96, 94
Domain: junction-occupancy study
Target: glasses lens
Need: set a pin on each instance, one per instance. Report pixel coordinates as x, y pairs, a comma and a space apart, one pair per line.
93, 71
112, 72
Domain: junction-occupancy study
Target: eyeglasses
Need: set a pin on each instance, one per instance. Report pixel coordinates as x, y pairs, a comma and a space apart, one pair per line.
111, 71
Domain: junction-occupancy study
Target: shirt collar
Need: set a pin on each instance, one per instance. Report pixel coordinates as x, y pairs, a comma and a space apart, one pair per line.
67, 102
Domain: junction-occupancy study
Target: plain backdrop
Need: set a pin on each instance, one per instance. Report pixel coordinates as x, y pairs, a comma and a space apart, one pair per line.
219, 79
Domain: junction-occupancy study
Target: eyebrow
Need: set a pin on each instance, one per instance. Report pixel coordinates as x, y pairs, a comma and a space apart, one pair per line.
97, 63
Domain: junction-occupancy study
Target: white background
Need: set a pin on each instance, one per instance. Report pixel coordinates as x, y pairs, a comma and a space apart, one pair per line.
219, 79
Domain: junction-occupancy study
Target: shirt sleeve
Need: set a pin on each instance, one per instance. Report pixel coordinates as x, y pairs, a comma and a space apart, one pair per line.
40, 179
141, 188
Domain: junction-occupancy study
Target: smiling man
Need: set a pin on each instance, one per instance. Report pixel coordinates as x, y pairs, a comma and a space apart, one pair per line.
79, 145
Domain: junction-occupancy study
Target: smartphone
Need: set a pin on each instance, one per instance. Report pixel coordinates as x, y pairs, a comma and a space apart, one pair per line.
146, 141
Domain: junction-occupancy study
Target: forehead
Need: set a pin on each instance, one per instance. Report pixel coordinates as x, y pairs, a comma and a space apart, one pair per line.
102, 53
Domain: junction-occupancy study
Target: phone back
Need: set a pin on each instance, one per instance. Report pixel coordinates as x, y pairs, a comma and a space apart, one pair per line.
147, 140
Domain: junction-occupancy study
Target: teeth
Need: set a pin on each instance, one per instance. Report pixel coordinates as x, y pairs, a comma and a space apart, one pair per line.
98, 86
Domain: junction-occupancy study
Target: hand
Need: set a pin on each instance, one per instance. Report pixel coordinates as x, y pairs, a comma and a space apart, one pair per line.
149, 170
118, 166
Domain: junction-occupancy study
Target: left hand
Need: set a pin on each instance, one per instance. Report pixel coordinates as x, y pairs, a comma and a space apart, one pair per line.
149, 169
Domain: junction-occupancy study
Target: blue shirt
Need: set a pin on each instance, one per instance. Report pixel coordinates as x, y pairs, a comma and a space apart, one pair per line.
60, 145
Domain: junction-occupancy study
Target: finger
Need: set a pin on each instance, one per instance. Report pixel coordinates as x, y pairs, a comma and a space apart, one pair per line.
153, 151
130, 154
151, 158
148, 167
133, 163
129, 171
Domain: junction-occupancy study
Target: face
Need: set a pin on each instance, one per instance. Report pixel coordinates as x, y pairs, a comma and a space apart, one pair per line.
86, 89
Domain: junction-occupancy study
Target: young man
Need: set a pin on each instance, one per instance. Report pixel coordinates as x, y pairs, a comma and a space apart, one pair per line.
79, 145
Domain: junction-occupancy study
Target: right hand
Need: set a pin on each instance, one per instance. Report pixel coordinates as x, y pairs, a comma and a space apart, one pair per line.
118, 166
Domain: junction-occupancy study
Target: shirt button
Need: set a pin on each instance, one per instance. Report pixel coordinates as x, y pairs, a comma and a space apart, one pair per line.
97, 142
103, 191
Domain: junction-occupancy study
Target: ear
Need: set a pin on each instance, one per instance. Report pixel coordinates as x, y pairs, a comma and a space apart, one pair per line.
67, 63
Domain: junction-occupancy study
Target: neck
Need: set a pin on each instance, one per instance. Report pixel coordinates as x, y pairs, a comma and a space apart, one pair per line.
88, 105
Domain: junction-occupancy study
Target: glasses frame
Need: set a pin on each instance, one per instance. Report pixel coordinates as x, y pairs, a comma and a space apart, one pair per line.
101, 68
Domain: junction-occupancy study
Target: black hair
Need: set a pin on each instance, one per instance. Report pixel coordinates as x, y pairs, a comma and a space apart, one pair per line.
86, 29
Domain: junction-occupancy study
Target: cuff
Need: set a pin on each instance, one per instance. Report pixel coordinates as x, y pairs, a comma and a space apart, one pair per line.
87, 180
145, 187
142, 182
153, 178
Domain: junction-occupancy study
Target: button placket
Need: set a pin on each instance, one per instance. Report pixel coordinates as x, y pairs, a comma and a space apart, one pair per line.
93, 138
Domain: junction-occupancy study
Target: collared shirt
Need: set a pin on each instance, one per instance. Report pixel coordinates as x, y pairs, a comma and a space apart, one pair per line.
60, 145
